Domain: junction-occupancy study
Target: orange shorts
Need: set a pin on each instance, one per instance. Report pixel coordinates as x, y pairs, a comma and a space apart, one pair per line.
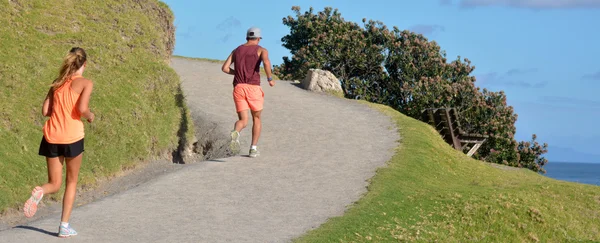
248, 96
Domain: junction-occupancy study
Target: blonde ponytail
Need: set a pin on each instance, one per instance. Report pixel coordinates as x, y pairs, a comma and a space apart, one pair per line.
72, 62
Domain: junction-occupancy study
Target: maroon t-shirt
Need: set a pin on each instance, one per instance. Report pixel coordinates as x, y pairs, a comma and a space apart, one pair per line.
246, 64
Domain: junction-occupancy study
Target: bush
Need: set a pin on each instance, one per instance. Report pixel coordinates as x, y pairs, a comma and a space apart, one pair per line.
406, 71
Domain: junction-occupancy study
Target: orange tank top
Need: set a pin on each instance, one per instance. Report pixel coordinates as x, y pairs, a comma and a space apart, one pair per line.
65, 125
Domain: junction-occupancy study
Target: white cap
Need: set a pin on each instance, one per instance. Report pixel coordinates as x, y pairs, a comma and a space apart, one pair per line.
253, 33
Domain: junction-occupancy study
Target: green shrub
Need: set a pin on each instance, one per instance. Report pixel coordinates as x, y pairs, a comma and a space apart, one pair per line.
406, 71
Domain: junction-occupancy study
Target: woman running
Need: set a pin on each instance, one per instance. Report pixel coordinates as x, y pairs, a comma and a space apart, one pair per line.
66, 103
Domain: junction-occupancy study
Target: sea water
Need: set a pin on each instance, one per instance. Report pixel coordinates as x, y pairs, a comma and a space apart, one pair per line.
587, 173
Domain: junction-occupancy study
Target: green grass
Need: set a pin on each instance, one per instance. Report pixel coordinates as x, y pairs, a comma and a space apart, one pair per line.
339, 94
431, 193
135, 98
262, 69
201, 59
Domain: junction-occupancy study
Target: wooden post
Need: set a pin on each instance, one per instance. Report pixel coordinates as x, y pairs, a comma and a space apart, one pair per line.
454, 136
473, 149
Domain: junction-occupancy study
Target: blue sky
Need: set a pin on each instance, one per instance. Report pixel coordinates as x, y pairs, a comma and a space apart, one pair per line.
542, 53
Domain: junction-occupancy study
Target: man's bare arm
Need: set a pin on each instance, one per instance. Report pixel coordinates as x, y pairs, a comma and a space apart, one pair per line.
227, 65
264, 55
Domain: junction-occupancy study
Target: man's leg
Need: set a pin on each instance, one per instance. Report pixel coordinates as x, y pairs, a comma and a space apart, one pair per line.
256, 127
239, 125
241, 107
242, 121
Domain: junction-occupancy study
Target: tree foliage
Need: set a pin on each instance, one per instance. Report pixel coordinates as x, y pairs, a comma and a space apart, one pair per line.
408, 72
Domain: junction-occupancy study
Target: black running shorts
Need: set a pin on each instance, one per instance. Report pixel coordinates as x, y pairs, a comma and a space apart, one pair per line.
55, 150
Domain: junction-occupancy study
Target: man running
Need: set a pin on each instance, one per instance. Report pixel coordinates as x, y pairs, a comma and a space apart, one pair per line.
247, 93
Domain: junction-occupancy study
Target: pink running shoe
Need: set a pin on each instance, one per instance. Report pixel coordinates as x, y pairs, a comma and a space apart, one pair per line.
32, 203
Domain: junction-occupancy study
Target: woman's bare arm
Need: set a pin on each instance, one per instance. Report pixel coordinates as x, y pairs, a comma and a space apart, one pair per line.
47, 106
84, 100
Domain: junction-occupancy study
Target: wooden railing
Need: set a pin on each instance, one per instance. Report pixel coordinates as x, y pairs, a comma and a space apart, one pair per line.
446, 122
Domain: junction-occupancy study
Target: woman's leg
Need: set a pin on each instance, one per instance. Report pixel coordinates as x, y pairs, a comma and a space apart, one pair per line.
73, 165
54, 181
55, 166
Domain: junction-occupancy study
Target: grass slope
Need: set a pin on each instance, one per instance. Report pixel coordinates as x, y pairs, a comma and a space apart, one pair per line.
431, 193
136, 96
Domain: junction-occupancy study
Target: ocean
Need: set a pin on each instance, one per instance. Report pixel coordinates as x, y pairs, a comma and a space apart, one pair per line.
587, 173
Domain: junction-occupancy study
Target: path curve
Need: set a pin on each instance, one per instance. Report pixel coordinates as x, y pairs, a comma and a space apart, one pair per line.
317, 153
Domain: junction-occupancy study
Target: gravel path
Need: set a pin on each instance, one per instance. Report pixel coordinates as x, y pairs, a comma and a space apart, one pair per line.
317, 153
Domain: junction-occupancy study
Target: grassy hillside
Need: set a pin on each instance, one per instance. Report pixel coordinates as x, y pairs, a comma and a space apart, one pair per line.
136, 96
431, 193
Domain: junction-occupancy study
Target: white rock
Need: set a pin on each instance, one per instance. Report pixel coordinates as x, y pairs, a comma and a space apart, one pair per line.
318, 80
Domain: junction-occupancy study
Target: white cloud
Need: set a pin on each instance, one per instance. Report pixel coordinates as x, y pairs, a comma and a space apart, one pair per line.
531, 4
426, 29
